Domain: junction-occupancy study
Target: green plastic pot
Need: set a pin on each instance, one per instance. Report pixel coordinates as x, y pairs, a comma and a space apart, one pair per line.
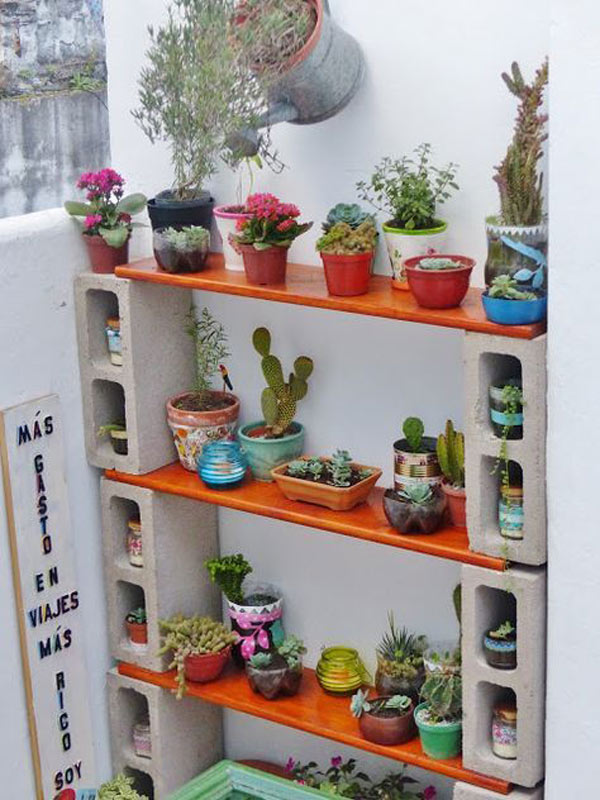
266, 454
439, 741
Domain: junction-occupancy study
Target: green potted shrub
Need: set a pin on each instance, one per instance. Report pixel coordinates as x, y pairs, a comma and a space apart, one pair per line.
182, 250
409, 191
118, 436
384, 720
200, 647
415, 509
439, 281
451, 455
415, 457
347, 255
136, 623
278, 672
204, 414
500, 646
120, 788
400, 667
439, 715
507, 304
276, 439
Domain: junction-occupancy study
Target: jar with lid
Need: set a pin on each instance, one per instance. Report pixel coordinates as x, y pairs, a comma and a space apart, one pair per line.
504, 729
134, 542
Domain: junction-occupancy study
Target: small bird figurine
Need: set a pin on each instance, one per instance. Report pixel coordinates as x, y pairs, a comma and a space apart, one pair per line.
225, 375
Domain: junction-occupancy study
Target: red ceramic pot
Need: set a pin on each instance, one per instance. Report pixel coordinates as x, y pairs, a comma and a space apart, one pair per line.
347, 275
137, 632
103, 257
388, 730
444, 288
207, 667
264, 267
457, 504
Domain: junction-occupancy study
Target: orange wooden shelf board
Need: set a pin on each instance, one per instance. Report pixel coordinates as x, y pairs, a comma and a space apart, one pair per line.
313, 711
366, 521
305, 286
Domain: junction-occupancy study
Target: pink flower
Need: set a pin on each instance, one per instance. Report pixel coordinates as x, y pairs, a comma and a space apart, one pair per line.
92, 220
239, 224
126, 218
289, 767
336, 761
429, 793
286, 225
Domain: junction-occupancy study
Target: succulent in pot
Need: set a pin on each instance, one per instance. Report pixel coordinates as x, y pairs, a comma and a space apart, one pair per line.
439, 715
505, 303
182, 250
205, 414
415, 457
400, 667
137, 627
415, 509
118, 436
119, 788
506, 408
278, 672
276, 439
200, 648
500, 646
349, 213
347, 255
409, 191
384, 720
439, 281
451, 455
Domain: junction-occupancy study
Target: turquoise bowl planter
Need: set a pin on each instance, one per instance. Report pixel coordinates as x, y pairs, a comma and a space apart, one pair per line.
266, 454
439, 741
514, 312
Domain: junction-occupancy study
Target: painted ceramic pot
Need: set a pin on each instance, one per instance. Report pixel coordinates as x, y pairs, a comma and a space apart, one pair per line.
511, 517
413, 468
504, 729
500, 653
340, 671
222, 465
257, 623
438, 740
203, 668
275, 679
142, 740
113, 338
520, 252
387, 727
264, 267
226, 218
500, 418
193, 429
266, 454
403, 244
457, 504
134, 543
103, 257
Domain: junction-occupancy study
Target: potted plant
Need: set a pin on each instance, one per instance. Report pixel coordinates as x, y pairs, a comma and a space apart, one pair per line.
451, 455
506, 304
415, 509
182, 250
106, 218
400, 667
336, 483
439, 715
347, 255
113, 339
500, 646
384, 720
415, 457
255, 611
409, 191
439, 281
205, 414
118, 436
278, 672
277, 439
142, 739
120, 788
506, 408
137, 627
264, 237
200, 646
518, 237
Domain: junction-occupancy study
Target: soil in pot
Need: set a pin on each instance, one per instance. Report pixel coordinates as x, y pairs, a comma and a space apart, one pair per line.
209, 401
103, 257
500, 653
167, 212
202, 668
347, 275
439, 740
387, 726
457, 504
411, 468
442, 288
408, 517
274, 679
264, 267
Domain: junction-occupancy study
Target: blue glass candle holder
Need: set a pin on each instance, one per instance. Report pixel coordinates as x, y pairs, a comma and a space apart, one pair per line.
222, 464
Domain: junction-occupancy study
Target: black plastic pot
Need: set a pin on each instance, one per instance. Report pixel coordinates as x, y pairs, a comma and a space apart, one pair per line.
165, 212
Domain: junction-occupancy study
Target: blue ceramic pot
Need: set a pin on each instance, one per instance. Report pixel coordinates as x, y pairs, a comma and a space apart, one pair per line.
266, 454
514, 312
222, 464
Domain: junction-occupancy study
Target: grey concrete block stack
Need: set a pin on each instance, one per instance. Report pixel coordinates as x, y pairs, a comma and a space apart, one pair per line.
466, 791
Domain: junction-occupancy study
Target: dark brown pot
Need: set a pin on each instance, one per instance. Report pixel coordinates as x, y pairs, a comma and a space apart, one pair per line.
387, 728
264, 267
274, 680
103, 257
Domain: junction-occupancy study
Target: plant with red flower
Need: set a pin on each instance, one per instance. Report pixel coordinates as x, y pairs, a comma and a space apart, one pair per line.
272, 224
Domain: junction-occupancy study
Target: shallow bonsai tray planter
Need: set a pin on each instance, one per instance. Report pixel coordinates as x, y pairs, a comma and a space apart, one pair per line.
336, 498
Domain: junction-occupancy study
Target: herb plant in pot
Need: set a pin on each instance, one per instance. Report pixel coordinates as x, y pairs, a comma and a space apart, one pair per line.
506, 304
415, 509
384, 720
439, 715
415, 457
182, 250
451, 455
277, 439
278, 672
205, 414
500, 646
409, 191
439, 281
118, 436
347, 250
400, 667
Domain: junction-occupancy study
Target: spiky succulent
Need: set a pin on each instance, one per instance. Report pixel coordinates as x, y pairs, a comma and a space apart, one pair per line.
342, 239
419, 494
187, 239
504, 631
400, 653
350, 213
229, 572
451, 455
507, 287
340, 468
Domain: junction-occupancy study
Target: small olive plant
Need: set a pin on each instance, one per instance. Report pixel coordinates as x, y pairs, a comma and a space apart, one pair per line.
189, 239
504, 632
400, 653
413, 430
279, 398
342, 239
210, 344
120, 788
451, 455
360, 704
337, 471
229, 573
291, 650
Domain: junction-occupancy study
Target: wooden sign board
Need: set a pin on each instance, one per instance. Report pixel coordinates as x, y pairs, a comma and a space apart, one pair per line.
48, 600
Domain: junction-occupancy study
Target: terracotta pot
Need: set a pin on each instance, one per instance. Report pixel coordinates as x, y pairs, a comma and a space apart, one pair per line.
192, 429
137, 632
103, 257
347, 275
264, 267
207, 667
334, 497
388, 730
457, 504
443, 288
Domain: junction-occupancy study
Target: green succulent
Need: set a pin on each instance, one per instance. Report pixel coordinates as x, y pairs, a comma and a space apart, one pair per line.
437, 264
292, 649
104, 430
138, 615
260, 660
298, 468
451, 455
506, 287
187, 239
350, 213
413, 430
504, 631
442, 691
419, 494
316, 467
340, 467
120, 788
360, 704
399, 652
229, 573
342, 239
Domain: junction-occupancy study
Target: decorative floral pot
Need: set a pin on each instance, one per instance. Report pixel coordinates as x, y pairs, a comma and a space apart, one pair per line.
457, 504
388, 684
500, 653
514, 312
113, 338
222, 465
403, 244
500, 417
274, 680
347, 275
142, 740
103, 257
166, 212
440, 740
510, 512
504, 729
439, 288
266, 454
517, 251
137, 632
173, 260
387, 727
413, 468
134, 543
409, 517
257, 624
226, 218
118, 439
321, 494
203, 668
264, 267
193, 429
340, 671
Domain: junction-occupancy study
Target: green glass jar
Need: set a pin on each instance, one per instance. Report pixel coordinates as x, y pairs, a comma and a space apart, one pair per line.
341, 671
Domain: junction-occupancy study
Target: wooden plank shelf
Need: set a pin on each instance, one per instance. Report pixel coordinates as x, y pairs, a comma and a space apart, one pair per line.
305, 286
313, 711
366, 521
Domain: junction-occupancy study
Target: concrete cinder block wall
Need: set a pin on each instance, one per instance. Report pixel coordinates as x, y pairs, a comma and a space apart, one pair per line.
466, 791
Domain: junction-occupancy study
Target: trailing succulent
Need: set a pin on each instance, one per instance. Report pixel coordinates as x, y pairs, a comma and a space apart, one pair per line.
400, 653
342, 239
451, 455
506, 287
338, 469
360, 704
120, 788
229, 573
189, 239
279, 398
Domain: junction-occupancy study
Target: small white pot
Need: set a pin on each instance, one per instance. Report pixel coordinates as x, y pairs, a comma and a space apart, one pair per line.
403, 244
226, 222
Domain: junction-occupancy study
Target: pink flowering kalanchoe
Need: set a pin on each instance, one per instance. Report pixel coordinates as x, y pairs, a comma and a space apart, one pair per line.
271, 224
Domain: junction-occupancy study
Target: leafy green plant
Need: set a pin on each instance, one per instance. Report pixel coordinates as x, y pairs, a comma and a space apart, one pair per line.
194, 237
350, 213
138, 616
340, 468
360, 704
409, 190
438, 264
104, 430
400, 653
451, 455
442, 691
229, 573
505, 631
210, 344
419, 494
507, 287
120, 788
342, 239
413, 430
279, 398
292, 649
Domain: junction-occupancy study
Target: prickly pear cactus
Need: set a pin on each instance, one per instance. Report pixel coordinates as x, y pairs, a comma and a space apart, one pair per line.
413, 430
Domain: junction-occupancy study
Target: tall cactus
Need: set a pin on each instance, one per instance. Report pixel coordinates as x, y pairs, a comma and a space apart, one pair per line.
279, 398
451, 455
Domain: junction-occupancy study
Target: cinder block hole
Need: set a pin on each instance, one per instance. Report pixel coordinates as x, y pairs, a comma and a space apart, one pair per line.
129, 597
121, 511
133, 708
108, 407
100, 305
489, 499
143, 783
493, 368
488, 696
492, 608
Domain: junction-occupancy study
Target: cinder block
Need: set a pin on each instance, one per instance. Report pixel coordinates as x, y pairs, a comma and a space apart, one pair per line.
186, 735
484, 605
158, 361
490, 358
466, 791
178, 534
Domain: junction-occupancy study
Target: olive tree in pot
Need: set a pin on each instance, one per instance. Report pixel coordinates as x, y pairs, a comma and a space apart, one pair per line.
205, 414
278, 672
347, 249
451, 455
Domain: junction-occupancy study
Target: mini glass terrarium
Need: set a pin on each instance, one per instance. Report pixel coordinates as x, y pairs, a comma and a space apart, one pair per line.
182, 250
400, 668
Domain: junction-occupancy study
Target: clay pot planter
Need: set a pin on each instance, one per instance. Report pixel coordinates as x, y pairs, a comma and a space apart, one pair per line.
226, 218
408, 517
441, 288
142, 740
388, 726
336, 498
439, 740
257, 623
266, 454
275, 679
347, 275
192, 429
206, 667
264, 267
505, 311
411, 468
500, 653
103, 257
504, 424
137, 632
403, 244
457, 504
119, 442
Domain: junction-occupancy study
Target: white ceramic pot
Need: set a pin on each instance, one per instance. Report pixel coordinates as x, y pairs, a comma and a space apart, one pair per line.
403, 244
226, 222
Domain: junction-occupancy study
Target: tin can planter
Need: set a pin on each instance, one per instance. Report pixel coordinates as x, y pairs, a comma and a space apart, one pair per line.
142, 740
206, 667
347, 275
275, 679
408, 517
134, 543
264, 267
119, 442
504, 424
515, 312
257, 623
336, 498
520, 252
510, 512
340, 671
439, 740
113, 338
403, 244
222, 465
413, 468
504, 729
387, 726
500, 653
457, 504
226, 218
266, 454
103, 257
441, 288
